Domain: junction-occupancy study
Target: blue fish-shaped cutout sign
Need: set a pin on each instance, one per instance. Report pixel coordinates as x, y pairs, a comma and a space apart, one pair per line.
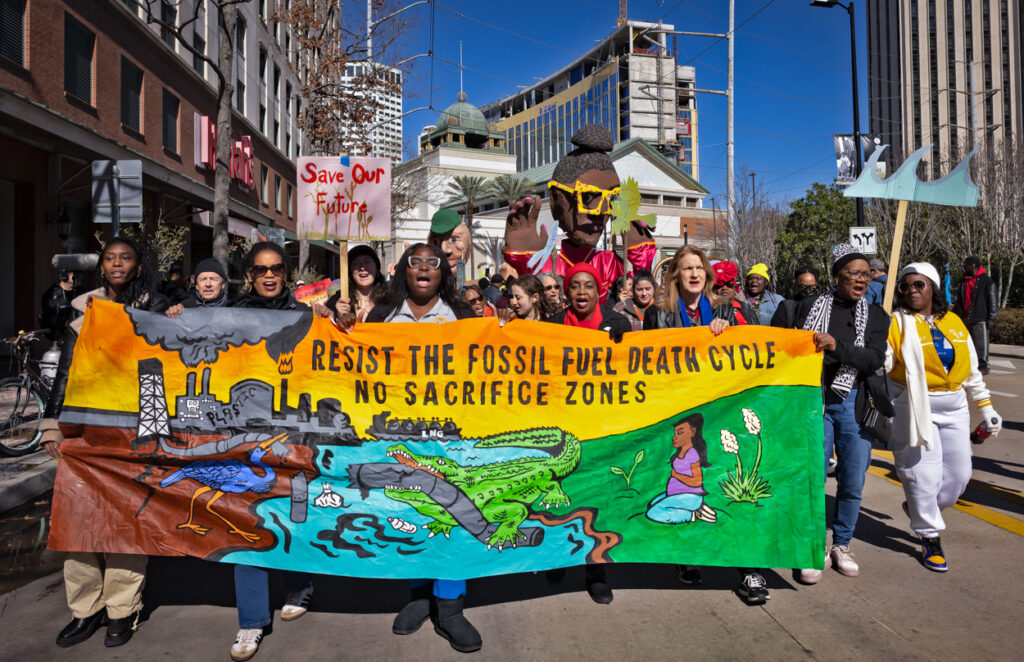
955, 189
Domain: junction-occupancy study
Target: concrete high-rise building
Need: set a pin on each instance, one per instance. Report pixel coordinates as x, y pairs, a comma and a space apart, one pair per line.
629, 83
385, 131
944, 72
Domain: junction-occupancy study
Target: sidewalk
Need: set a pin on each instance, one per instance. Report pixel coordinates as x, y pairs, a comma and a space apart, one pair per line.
1011, 351
24, 478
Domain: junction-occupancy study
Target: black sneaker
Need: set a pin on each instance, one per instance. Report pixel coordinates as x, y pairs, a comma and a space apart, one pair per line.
689, 575
297, 604
754, 589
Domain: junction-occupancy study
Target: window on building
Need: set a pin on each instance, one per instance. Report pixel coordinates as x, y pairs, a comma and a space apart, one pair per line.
131, 95
288, 145
288, 98
12, 31
277, 192
277, 133
79, 42
170, 121
264, 177
240, 37
288, 200
263, 9
168, 16
199, 44
240, 96
263, 119
263, 65
277, 81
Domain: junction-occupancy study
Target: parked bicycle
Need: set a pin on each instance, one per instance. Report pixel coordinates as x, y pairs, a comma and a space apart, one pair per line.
23, 398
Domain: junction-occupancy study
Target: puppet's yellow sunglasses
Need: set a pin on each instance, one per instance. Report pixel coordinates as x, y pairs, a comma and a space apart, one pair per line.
589, 199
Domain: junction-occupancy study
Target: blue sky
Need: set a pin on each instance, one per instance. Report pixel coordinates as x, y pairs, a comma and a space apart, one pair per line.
792, 68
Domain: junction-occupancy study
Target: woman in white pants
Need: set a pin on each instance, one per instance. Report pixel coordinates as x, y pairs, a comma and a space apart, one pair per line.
933, 369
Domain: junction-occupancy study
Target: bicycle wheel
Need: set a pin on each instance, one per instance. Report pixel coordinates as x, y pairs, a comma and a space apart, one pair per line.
21, 415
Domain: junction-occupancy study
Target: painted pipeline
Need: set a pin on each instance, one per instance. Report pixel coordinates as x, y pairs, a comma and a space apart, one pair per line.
378, 475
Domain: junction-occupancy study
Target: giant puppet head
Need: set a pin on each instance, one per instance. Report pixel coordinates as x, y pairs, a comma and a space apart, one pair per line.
582, 186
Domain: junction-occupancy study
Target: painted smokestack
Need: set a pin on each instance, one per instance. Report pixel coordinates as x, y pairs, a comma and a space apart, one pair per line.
206, 381
190, 384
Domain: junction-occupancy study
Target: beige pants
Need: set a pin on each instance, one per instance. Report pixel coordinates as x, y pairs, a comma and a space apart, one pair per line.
112, 581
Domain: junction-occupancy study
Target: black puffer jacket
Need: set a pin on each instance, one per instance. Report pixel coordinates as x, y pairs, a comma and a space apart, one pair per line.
193, 300
283, 301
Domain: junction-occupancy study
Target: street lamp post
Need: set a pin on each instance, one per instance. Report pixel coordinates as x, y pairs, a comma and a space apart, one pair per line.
856, 103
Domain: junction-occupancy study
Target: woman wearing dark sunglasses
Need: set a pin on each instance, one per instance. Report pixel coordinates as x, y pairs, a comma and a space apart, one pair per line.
933, 368
266, 267
265, 270
423, 291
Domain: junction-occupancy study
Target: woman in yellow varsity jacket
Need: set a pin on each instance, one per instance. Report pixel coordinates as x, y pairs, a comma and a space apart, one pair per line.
933, 368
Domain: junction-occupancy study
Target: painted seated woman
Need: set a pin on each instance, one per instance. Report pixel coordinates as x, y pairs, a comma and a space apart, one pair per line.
683, 500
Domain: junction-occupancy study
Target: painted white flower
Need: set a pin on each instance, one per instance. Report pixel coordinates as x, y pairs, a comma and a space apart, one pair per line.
751, 421
729, 443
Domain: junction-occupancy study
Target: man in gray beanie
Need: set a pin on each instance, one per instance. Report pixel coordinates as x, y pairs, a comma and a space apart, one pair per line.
209, 288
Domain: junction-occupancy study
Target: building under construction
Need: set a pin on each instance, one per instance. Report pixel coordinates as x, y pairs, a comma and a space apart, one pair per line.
629, 83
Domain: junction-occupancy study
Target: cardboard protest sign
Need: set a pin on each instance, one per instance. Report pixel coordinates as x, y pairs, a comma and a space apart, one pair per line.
423, 450
344, 198
317, 292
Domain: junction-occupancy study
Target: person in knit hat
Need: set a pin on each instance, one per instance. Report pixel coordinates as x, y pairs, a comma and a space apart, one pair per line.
759, 296
852, 334
582, 186
209, 288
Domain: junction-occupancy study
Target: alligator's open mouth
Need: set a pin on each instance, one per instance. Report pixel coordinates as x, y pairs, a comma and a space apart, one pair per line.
404, 458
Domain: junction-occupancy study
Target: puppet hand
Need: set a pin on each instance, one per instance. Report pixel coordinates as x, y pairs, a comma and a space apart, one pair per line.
521, 226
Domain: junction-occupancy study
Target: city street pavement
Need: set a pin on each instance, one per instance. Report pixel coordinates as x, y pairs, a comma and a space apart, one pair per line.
895, 610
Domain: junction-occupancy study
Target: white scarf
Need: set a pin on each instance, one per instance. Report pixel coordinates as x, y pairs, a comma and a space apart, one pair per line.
920, 420
818, 319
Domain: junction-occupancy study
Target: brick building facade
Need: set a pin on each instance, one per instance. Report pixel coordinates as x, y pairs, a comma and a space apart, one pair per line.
94, 82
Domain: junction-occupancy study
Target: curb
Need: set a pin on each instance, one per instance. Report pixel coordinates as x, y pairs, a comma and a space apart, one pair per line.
1009, 351
24, 478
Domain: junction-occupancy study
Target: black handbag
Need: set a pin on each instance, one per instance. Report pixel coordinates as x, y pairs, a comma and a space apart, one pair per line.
876, 409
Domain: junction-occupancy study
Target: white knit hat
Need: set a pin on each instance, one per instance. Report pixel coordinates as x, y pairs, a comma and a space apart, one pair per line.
922, 268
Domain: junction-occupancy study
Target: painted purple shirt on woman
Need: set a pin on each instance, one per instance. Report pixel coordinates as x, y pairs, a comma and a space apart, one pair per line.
683, 465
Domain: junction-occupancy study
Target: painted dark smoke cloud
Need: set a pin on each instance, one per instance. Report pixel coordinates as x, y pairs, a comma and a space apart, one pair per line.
199, 334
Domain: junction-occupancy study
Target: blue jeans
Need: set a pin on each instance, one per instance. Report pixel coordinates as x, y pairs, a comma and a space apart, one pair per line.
853, 456
675, 509
444, 589
252, 593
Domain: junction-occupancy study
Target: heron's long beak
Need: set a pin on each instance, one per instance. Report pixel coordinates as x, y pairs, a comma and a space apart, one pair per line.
276, 445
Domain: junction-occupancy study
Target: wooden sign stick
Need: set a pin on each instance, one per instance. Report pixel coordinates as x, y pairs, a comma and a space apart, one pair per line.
343, 268
894, 255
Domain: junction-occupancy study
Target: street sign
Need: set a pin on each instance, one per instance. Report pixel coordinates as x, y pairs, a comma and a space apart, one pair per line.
865, 239
117, 192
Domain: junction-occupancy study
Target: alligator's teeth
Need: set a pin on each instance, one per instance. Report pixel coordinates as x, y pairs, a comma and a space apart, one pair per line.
430, 535
447, 535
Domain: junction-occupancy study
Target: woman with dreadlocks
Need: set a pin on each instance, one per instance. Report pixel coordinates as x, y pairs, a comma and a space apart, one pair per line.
102, 589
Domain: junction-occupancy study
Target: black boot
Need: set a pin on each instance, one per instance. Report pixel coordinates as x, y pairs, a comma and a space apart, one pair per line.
415, 613
120, 630
453, 626
80, 629
597, 586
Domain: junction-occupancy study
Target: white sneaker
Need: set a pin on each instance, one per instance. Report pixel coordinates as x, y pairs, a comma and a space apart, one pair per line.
296, 604
842, 558
812, 576
247, 642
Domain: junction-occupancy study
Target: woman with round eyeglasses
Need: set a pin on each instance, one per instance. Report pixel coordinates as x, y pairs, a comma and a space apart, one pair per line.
933, 368
423, 291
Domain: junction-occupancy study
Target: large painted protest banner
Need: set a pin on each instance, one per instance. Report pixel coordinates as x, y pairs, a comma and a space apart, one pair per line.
344, 198
438, 450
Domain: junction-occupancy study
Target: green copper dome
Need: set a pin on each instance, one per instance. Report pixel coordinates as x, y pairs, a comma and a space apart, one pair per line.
462, 116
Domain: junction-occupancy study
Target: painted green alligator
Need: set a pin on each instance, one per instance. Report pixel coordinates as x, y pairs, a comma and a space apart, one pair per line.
503, 491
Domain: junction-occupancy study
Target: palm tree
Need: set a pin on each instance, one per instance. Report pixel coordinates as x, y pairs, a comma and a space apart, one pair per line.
467, 190
510, 188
